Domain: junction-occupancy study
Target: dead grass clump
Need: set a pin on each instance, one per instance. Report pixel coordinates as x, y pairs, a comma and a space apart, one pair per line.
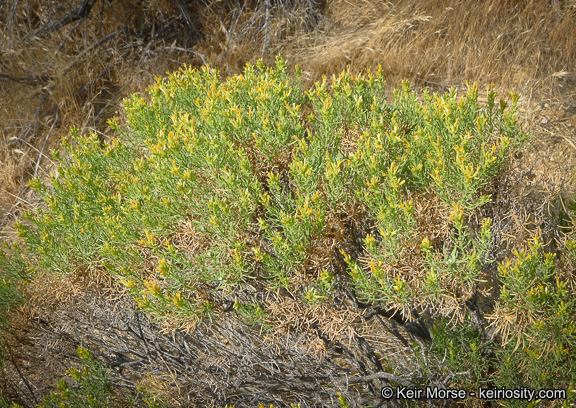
286, 314
237, 33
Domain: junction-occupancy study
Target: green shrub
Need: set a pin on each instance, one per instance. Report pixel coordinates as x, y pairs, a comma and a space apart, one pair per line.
234, 161
91, 385
220, 188
533, 341
536, 318
92, 390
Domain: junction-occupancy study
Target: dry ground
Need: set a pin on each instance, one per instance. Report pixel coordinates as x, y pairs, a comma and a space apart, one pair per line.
77, 75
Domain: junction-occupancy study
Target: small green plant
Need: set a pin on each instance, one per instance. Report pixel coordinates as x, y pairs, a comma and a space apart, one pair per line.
91, 386
14, 273
463, 353
93, 390
342, 401
535, 318
252, 314
7, 404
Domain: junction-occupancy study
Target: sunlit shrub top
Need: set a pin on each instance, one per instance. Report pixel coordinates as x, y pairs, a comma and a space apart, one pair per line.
249, 183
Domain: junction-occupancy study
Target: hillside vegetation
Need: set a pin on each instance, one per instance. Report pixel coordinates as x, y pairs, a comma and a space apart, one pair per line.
333, 205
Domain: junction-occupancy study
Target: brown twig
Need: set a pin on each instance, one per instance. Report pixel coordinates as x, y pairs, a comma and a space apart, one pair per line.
81, 11
187, 50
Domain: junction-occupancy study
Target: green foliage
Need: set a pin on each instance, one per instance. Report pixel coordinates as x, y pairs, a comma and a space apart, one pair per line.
233, 161
462, 350
187, 157
93, 390
342, 402
216, 187
445, 147
7, 404
252, 314
91, 386
533, 342
13, 274
536, 318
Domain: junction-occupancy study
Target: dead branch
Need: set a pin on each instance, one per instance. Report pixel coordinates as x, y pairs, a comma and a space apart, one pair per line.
185, 12
44, 145
24, 379
94, 45
81, 11
27, 80
266, 26
187, 50
69, 34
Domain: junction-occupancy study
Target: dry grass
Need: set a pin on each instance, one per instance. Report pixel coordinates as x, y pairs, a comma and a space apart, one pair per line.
79, 74
523, 45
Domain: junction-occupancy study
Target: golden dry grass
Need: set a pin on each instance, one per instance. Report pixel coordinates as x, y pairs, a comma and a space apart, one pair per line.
523, 45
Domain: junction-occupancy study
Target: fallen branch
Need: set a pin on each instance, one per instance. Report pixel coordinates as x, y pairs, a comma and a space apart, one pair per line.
187, 50
81, 11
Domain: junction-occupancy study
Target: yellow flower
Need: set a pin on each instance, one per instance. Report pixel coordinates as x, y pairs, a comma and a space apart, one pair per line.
470, 172
128, 283
177, 300
457, 215
153, 289
162, 266
83, 353
426, 245
417, 169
